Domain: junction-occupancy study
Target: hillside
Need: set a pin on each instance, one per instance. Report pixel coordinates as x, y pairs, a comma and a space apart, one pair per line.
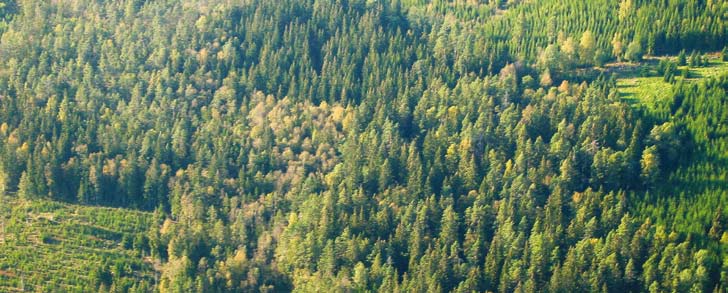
694, 195
363, 145
50, 247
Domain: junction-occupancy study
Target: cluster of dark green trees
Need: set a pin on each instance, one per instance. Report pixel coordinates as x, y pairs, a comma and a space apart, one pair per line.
362, 145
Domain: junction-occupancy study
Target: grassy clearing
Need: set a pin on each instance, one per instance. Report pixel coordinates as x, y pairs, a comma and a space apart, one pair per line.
644, 90
643, 85
53, 247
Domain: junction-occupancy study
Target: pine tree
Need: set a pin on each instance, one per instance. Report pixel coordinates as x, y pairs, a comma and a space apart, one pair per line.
681, 59
26, 190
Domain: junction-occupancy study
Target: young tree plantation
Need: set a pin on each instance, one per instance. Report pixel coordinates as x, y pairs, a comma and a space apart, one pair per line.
364, 146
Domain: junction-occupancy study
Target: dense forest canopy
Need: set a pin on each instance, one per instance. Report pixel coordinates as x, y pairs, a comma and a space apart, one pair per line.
352, 145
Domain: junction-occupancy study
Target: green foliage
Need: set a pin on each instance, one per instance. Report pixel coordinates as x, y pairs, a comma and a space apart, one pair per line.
634, 51
650, 165
360, 146
681, 58
47, 246
7, 8
653, 90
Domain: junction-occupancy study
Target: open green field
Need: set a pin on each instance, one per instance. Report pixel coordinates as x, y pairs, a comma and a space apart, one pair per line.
643, 85
54, 247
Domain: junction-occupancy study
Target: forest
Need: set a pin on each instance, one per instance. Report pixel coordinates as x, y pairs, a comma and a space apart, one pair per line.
364, 146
